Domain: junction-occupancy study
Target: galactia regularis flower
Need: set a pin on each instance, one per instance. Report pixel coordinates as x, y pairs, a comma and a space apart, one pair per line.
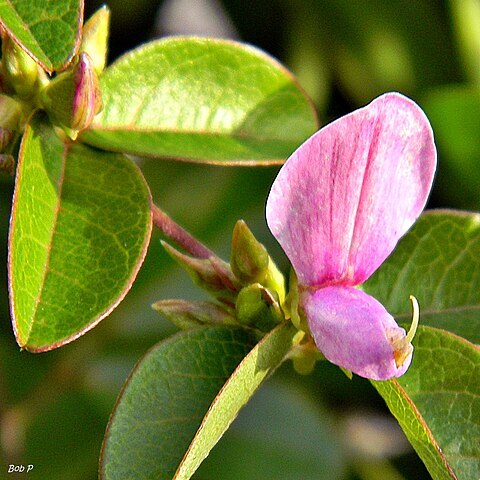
338, 207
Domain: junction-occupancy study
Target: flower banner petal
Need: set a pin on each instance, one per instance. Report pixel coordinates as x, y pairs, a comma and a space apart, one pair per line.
354, 331
342, 201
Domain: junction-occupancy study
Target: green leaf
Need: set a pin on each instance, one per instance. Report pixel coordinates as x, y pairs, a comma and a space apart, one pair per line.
181, 398
438, 262
281, 434
48, 31
80, 227
205, 100
437, 403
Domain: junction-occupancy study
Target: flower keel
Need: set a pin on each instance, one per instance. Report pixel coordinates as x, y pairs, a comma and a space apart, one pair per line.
353, 330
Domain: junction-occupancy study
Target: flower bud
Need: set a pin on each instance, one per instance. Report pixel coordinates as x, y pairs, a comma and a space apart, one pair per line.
10, 115
186, 315
304, 354
249, 259
275, 281
291, 305
211, 274
258, 307
20, 70
73, 98
95, 38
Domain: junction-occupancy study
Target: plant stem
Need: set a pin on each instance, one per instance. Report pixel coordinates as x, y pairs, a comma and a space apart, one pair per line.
179, 235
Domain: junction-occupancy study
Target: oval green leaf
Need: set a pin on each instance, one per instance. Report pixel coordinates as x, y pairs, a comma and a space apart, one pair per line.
205, 100
48, 31
437, 403
181, 398
79, 231
438, 262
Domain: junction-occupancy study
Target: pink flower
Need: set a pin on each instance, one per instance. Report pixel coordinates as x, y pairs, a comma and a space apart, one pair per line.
338, 207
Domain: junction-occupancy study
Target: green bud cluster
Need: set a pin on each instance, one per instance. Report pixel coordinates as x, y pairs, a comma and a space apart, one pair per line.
248, 291
71, 98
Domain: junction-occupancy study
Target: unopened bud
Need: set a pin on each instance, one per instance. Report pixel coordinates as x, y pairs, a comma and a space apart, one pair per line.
186, 315
211, 274
20, 70
249, 259
292, 304
275, 280
257, 307
95, 38
10, 115
305, 354
73, 98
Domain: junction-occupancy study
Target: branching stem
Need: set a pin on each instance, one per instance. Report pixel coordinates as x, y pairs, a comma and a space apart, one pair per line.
179, 235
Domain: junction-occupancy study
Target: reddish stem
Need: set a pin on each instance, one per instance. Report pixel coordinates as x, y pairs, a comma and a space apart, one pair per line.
179, 235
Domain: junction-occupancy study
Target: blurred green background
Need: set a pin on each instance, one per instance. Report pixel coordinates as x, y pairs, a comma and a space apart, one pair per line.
54, 406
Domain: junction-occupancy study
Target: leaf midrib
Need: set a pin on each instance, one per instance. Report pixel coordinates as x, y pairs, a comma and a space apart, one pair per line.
46, 268
237, 135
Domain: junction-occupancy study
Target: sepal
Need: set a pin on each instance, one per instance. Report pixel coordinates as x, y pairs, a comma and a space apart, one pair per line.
258, 307
211, 274
251, 263
249, 258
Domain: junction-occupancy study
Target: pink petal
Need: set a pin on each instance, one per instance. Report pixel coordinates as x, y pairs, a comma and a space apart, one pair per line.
342, 201
354, 331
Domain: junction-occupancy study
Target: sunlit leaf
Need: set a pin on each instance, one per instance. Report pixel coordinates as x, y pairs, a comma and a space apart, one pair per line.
202, 100
437, 403
80, 226
48, 31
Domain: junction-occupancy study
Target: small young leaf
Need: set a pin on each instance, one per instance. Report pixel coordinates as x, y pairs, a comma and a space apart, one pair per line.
80, 227
204, 100
181, 398
438, 262
48, 31
437, 403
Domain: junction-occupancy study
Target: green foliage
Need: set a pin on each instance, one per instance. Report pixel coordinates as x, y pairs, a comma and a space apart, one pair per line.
165, 399
281, 434
437, 403
438, 263
48, 31
80, 226
438, 399
201, 100
182, 397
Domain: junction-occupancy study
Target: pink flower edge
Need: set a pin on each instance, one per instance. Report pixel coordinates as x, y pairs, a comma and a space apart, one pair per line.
346, 196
